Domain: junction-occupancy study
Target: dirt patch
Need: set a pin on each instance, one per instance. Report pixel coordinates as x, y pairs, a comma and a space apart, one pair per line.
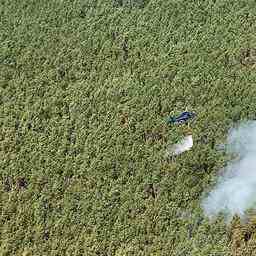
155, 134
152, 136
7, 184
124, 121
150, 191
248, 56
21, 183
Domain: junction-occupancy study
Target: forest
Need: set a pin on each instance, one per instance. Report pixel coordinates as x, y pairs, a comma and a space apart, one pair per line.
86, 87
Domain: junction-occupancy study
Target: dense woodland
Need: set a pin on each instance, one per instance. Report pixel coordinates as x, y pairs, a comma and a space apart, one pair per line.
85, 90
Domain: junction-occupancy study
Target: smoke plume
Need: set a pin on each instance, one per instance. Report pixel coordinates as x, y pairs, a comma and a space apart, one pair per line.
235, 191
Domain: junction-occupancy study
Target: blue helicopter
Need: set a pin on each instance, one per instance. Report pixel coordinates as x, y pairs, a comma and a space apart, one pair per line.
184, 117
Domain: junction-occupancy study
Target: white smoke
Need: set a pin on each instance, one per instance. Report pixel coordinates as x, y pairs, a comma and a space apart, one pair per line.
184, 145
235, 191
